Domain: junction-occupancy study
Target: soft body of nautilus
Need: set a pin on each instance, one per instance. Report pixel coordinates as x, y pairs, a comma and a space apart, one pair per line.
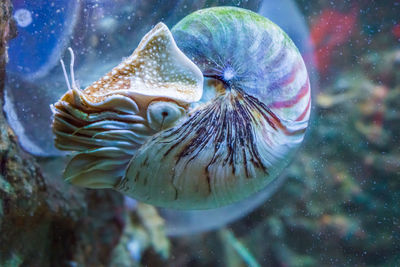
194, 119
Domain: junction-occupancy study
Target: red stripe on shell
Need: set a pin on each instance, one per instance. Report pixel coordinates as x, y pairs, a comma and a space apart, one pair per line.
294, 100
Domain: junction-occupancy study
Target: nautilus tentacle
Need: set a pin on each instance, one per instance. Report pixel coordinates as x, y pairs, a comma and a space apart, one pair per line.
173, 143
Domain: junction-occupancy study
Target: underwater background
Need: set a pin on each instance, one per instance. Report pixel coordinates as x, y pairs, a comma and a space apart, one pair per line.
337, 203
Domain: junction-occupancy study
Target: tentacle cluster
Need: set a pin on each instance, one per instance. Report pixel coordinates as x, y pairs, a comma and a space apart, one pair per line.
106, 137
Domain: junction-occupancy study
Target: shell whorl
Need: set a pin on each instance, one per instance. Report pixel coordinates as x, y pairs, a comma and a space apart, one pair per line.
247, 51
227, 144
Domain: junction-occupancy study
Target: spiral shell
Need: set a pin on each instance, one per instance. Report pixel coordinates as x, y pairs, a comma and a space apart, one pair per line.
154, 130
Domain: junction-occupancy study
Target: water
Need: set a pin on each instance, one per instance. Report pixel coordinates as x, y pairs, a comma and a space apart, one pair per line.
337, 202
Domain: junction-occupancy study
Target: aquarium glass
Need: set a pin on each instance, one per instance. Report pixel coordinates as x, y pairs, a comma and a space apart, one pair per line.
334, 190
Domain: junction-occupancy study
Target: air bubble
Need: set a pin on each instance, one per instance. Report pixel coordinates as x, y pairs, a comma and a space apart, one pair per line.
23, 17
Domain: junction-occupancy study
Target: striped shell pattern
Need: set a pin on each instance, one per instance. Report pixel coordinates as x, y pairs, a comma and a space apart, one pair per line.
195, 118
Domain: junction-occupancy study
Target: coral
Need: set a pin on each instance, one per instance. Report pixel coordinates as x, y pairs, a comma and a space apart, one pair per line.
329, 31
143, 232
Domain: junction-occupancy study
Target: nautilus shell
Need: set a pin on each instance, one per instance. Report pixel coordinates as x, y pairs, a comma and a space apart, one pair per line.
196, 118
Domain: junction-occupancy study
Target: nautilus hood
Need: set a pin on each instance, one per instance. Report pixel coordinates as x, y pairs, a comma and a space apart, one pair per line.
197, 118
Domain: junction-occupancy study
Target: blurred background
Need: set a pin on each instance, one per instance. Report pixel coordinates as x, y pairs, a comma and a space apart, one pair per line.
338, 204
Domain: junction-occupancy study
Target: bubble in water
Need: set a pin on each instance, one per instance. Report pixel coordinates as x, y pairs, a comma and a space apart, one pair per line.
23, 17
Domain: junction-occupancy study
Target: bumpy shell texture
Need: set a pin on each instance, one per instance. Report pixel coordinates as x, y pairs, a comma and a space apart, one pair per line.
152, 129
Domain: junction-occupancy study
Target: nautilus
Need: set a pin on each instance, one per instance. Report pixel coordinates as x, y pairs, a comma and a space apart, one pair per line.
198, 117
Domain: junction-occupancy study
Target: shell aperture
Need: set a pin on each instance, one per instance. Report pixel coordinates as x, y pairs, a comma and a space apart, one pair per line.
182, 147
111, 118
